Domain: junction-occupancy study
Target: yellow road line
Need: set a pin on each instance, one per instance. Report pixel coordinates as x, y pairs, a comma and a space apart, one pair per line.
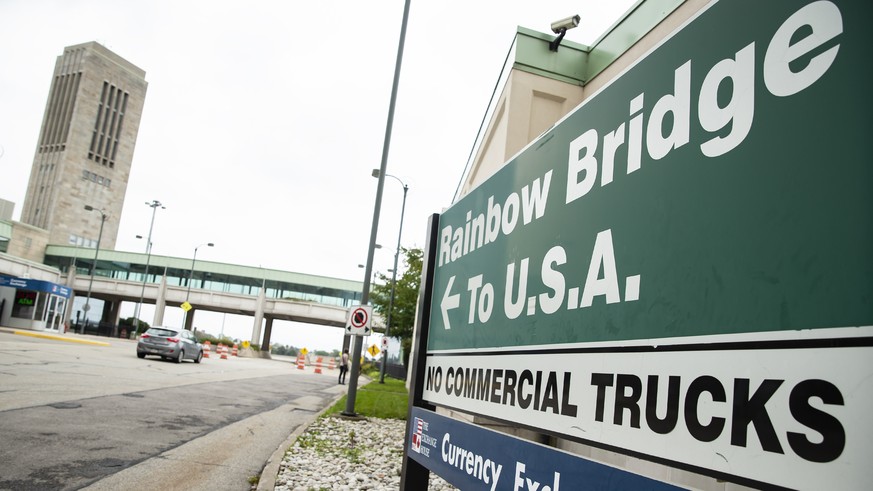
60, 338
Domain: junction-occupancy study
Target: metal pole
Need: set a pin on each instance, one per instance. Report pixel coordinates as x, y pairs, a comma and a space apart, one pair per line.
365, 293
154, 204
190, 276
191, 273
393, 282
87, 306
414, 476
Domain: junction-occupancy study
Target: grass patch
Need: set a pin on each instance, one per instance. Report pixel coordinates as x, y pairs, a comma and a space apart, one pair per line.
375, 400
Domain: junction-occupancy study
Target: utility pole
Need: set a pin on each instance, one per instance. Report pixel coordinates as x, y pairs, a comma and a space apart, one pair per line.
365, 294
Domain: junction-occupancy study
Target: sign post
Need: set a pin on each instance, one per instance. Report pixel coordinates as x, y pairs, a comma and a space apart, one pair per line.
368, 269
672, 272
358, 324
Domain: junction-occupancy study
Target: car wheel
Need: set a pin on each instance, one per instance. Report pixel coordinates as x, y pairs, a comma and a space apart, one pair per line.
180, 356
199, 357
140, 354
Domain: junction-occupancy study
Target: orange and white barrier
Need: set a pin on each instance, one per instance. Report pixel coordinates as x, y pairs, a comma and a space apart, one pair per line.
222, 349
206, 349
235, 350
318, 363
300, 365
331, 364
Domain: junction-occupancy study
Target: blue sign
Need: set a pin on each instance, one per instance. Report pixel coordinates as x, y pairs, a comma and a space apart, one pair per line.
35, 285
471, 457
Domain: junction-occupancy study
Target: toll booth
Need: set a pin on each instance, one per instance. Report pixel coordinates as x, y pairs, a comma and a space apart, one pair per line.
32, 304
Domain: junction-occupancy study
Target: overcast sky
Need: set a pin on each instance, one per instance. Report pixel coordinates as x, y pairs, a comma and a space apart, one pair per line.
263, 120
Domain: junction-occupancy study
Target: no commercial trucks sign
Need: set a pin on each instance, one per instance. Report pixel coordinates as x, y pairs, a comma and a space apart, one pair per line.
681, 269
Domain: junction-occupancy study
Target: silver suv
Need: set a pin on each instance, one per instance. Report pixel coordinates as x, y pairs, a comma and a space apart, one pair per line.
169, 343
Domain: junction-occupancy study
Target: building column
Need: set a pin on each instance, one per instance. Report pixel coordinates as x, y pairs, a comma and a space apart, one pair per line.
161, 301
68, 310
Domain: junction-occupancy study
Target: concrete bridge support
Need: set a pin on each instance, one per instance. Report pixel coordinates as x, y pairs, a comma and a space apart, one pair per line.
268, 331
259, 317
189, 319
111, 314
161, 302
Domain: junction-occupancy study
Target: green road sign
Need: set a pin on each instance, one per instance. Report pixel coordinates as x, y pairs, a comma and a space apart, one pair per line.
721, 185
682, 268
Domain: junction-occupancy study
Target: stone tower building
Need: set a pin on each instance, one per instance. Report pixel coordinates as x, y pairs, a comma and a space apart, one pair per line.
85, 147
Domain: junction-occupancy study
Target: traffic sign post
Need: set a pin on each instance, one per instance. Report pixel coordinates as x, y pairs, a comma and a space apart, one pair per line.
357, 324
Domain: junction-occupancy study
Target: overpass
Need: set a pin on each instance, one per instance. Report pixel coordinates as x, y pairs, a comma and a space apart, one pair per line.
265, 294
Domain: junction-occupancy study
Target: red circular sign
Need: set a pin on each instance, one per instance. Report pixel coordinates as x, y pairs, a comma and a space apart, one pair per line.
359, 318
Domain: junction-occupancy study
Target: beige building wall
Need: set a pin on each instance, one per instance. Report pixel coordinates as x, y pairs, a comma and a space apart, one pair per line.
15, 266
530, 104
85, 147
28, 242
6, 209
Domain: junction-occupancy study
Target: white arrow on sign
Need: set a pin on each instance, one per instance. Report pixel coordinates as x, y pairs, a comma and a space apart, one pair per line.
449, 302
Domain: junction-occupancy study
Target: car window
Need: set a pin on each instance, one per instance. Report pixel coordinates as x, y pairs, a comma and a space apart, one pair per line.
158, 331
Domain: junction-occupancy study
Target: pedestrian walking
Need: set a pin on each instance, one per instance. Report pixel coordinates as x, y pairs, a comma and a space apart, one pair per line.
344, 366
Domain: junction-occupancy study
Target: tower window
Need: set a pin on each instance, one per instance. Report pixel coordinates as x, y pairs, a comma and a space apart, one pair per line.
107, 125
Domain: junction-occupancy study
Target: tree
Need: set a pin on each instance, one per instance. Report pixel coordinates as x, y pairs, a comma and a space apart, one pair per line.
405, 299
142, 326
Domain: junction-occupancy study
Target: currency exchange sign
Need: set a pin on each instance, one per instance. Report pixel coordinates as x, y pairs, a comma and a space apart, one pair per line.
681, 269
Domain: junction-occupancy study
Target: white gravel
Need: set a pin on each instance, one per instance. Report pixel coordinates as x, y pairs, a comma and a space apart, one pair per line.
340, 454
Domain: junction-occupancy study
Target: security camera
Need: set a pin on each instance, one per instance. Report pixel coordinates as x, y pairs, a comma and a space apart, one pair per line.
562, 25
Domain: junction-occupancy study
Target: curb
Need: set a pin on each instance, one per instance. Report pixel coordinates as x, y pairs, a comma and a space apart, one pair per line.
60, 338
267, 481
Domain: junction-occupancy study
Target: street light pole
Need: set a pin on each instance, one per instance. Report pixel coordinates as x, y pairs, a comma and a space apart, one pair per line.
87, 306
376, 173
154, 205
386, 144
190, 276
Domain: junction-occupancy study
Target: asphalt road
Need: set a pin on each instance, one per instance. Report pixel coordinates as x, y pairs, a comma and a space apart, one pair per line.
80, 416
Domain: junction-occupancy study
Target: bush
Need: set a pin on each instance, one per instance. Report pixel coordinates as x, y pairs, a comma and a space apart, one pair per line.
203, 337
368, 368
